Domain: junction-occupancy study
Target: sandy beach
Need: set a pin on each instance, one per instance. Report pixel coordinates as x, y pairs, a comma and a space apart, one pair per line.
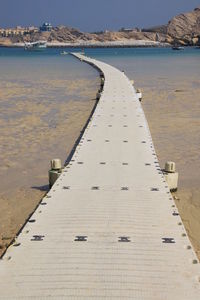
33, 130
172, 109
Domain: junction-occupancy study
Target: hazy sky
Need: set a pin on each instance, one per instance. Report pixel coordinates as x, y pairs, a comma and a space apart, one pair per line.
91, 15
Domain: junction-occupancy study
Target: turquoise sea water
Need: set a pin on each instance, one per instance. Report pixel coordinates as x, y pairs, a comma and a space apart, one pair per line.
141, 59
49, 64
137, 62
147, 66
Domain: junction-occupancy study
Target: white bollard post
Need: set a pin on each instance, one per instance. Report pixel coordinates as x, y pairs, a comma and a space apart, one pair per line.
170, 167
102, 82
101, 74
139, 94
55, 172
56, 164
171, 175
98, 95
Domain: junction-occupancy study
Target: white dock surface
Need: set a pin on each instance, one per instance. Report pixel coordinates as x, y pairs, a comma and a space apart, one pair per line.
109, 228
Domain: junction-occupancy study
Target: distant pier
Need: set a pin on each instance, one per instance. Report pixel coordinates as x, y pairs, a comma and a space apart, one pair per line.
108, 228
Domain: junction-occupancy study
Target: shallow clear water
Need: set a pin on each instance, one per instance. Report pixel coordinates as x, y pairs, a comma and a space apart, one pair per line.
135, 61
40, 77
151, 61
41, 95
19, 65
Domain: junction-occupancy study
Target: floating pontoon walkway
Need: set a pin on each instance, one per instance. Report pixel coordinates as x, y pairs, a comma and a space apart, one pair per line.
109, 228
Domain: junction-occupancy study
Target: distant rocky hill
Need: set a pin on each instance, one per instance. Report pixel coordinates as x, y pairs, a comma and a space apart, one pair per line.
64, 34
183, 29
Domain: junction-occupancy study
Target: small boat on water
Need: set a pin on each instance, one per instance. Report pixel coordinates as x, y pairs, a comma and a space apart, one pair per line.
178, 48
64, 53
35, 46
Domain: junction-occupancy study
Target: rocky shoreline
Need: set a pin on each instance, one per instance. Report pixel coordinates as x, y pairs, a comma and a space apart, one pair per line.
112, 44
183, 29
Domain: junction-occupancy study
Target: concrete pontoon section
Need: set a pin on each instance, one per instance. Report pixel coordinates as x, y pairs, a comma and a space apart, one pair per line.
108, 228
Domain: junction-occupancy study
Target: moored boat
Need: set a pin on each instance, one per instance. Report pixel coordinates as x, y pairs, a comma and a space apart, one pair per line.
178, 48
64, 53
39, 45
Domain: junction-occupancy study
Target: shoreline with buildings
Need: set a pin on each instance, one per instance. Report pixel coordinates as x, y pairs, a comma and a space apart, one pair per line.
182, 30
43, 32
117, 44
